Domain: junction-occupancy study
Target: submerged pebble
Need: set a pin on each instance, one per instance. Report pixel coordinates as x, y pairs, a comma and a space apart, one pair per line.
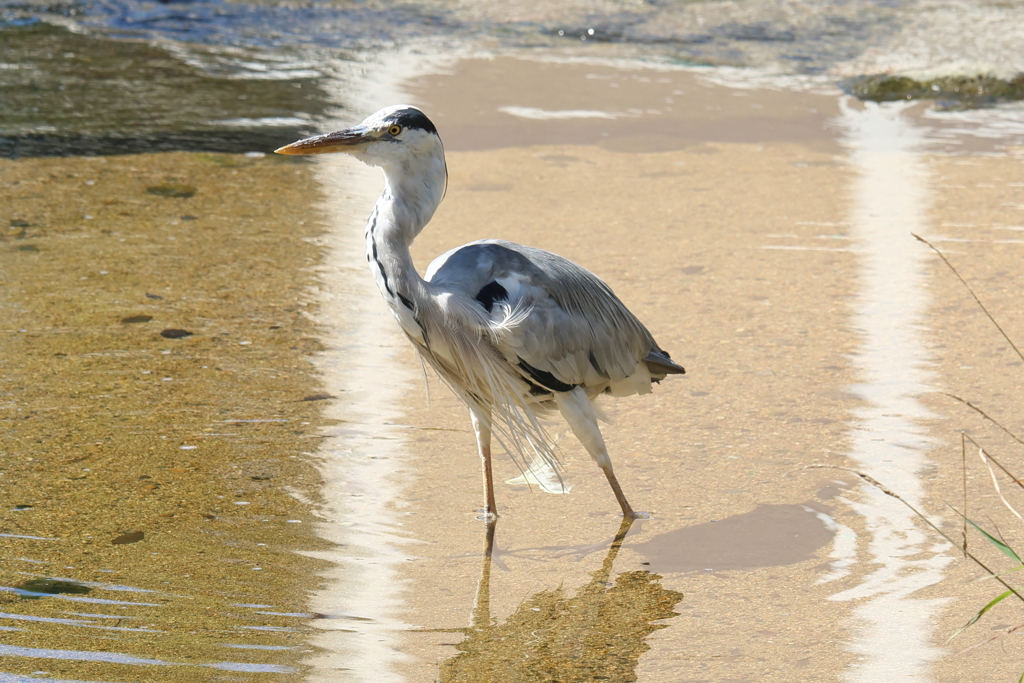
172, 333
51, 587
130, 537
172, 190
137, 319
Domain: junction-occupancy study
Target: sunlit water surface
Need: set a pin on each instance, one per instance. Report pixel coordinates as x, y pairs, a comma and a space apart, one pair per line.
890, 202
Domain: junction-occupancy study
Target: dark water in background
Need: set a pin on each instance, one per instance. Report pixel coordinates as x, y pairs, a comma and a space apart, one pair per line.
109, 76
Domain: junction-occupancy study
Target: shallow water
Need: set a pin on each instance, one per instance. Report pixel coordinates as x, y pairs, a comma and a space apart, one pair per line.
271, 496
158, 478
365, 457
72, 93
794, 540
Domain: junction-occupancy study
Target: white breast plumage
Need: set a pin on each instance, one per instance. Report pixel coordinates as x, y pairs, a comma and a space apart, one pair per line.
405, 318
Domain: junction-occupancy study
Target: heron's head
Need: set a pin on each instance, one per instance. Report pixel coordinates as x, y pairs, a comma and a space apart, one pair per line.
394, 135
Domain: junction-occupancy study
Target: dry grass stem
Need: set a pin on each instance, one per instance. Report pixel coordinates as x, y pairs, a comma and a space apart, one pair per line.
1002, 634
998, 464
987, 417
963, 465
946, 261
995, 482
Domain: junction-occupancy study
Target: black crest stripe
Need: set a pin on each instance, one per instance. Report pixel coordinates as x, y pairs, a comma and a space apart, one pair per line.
413, 118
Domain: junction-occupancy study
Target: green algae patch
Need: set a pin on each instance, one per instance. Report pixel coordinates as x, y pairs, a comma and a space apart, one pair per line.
951, 92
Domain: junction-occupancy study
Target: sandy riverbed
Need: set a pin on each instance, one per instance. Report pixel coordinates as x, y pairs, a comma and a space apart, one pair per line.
721, 217
112, 429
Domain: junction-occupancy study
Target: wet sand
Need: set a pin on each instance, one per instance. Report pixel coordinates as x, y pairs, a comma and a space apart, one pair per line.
735, 543
978, 219
763, 395
200, 444
722, 218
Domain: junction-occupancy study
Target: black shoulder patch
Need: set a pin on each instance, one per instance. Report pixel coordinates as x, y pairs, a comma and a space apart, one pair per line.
414, 118
490, 293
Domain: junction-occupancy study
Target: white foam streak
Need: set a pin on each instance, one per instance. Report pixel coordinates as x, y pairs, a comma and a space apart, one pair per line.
844, 547
889, 443
1004, 123
547, 115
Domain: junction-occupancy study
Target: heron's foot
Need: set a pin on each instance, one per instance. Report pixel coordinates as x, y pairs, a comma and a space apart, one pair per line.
627, 509
487, 515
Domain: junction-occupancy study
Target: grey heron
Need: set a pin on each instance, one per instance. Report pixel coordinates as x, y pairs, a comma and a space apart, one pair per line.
514, 331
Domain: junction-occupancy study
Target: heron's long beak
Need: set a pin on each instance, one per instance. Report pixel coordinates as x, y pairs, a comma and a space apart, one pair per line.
348, 140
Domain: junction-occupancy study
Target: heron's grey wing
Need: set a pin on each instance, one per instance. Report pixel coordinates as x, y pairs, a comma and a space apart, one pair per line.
559, 324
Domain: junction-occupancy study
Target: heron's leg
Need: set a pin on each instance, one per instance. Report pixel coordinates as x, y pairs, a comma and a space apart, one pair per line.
482, 429
577, 411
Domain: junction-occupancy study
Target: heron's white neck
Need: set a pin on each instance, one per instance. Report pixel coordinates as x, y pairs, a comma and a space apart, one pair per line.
413, 188
412, 191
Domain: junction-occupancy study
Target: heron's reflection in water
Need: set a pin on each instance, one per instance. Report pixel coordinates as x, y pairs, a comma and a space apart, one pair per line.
597, 634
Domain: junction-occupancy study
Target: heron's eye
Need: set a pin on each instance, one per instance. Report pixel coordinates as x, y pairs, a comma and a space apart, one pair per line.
395, 130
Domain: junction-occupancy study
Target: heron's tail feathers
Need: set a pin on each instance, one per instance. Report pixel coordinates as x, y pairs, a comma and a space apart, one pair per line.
661, 364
